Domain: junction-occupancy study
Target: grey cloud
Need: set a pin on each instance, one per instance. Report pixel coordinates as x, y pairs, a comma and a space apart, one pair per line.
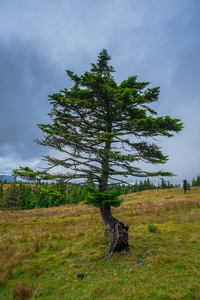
26, 78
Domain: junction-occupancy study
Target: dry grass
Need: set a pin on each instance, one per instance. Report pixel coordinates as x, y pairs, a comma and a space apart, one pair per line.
43, 250
22, 292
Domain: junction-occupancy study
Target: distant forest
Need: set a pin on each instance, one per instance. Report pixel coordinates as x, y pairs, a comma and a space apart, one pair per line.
21, 195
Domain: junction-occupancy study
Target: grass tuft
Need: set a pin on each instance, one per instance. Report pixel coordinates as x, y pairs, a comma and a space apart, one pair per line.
22, 291
152, 228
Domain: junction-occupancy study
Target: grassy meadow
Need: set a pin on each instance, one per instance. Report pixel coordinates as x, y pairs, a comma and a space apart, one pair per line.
43, 250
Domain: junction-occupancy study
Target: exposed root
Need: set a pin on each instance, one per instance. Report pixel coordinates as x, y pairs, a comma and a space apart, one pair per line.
116, 231
118, 238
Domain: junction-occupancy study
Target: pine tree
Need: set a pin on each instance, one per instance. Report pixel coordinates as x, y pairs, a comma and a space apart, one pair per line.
42, 200
1, 194
135, 188
186, 186
11, 197
29, 199
193, 182
163, 184
102, 128
198, 181
1, 190
22, 199
74, 196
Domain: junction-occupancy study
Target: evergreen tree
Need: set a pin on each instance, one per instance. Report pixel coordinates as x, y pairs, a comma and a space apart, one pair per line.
193, 182
50, 195
29, 198
1, 194
42, 200
198, 181
22, 199
126, 190
163, 184
135, 188
141, 186
148, 184
74, 195
1, 190
11, 197
186, 185
89, 120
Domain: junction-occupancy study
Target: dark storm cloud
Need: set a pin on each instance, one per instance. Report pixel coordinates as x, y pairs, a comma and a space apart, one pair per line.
27, 76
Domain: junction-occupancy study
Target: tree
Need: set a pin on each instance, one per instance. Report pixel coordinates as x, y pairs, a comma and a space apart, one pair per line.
186, 185
22, 197
73, 195
11, 197
101, 128
1, 194
135, 188
198, 181
28, 198
163, 184
50, 195
193, 182
1, 190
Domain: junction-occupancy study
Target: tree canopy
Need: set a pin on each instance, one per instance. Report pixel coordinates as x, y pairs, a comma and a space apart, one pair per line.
101, 128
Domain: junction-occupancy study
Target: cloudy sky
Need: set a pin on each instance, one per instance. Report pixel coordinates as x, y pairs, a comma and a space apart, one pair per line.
157, 40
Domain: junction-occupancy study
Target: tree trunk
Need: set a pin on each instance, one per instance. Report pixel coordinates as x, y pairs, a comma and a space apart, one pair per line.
116, 231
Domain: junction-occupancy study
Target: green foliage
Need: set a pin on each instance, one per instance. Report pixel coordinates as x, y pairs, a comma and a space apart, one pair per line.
186, 185
31, 196
30, 175
94, 116
22, 195
75, 194
147, 185
1, 190
42, 200
50, 195
196, 182
53, 194
11, 197
28, 197
98, 199
163, 184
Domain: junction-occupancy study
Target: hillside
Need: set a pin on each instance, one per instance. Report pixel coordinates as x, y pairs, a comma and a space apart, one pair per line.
43, 250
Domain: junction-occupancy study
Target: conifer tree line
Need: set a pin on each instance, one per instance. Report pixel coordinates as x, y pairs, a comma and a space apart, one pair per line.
21, 195
196, 182
27, 196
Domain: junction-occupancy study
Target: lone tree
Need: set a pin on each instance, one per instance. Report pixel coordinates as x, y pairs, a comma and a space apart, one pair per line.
101, 128
186, 186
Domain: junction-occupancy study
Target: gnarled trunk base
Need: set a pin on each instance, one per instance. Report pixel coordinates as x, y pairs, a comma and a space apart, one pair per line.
116, 231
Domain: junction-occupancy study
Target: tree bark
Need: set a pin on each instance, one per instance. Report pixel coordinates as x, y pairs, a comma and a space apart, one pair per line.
116, 231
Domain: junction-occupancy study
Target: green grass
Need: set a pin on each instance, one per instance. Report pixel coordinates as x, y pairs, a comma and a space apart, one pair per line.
43, 250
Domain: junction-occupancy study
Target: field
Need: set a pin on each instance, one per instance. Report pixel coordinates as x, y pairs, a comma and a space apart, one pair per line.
43, 250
